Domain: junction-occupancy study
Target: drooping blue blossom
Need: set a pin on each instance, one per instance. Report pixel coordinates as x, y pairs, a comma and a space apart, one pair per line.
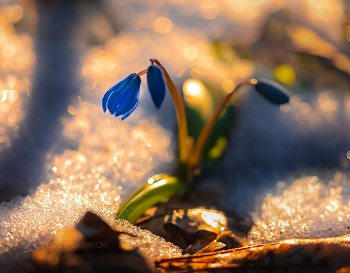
272, 91
123, 98
156, 84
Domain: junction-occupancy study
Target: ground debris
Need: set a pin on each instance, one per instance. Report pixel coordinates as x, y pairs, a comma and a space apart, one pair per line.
193, 230
291, 255
93, 246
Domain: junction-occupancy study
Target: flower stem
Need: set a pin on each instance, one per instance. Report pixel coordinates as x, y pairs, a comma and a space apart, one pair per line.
181, 117
203, 137
142, 72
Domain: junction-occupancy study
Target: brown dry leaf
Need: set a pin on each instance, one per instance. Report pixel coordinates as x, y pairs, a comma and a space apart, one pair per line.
213, 246
292, 255
191, 229
90, 247
223, 241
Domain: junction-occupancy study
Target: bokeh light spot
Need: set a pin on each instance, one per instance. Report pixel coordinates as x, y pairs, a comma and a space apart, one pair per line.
14, 13
348, 155
124, 11
285, 108
205, 61
100, 26
219, 148
193, 88
87, 71
228, 86
163, 25
190, 52
285, 74
9, 51
198, 97
71, 110
326, 102
11, 80
209, 10
181, 72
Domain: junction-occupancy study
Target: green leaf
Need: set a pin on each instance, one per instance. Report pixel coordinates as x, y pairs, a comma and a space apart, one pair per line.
150, 181
160, 189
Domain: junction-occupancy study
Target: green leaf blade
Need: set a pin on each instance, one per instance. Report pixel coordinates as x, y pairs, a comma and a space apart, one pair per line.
149, 195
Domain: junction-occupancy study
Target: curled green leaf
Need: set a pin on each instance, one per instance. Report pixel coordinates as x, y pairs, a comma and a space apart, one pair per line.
158, 189
150, 181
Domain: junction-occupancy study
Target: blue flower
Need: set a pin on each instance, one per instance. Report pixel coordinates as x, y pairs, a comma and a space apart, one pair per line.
272, 91
123, 98
156, 84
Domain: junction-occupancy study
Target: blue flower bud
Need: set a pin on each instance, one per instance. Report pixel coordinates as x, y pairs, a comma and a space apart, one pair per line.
156, 84
123, 98
272, 91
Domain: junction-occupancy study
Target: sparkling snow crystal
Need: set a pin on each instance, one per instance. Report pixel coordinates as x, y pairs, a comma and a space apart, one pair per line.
114, 159
310, 208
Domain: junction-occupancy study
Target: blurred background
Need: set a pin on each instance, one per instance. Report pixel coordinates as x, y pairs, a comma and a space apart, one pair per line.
58, 58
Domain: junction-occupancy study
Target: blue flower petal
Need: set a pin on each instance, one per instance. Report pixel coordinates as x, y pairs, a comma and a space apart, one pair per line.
133, 102
129, 112
128, 97
123, 98
114, 89
128, 103
117, 96
106, 97
272, 91
156, 84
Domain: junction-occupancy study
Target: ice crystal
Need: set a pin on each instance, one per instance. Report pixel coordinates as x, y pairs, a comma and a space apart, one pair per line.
114, 159
310, 208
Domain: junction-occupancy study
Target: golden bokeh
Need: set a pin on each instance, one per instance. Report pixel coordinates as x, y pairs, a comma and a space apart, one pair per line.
190, 52
285, 74
209, 10
16, 63
228, 86
180, 50
315, 113
326, 101
197, 96
162, 25
115, 157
